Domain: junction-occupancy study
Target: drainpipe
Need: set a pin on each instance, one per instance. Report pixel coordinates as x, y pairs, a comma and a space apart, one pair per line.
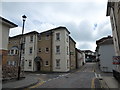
51, 64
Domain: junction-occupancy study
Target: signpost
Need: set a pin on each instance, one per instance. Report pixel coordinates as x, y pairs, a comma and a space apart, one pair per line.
116, 60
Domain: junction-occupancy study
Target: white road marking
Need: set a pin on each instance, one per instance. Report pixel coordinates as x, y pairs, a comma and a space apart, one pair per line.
96, 75
49, 79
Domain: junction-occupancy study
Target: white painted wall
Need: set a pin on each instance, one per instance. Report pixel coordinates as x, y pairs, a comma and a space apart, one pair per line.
63, 51
106, 54
79, 59
27, 56
83, 55
4, 34
115, 37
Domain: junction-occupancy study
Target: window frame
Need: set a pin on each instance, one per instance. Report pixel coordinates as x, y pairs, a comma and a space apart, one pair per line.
58, 49
30, 50
58, 36
30, 63
57, 63
31, 38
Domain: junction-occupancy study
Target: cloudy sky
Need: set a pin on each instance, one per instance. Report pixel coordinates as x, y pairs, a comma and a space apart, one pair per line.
86, 20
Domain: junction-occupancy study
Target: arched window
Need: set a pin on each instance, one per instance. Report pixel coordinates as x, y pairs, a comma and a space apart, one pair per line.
13, 50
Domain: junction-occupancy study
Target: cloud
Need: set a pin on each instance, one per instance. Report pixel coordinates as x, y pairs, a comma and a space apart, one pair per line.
86, 21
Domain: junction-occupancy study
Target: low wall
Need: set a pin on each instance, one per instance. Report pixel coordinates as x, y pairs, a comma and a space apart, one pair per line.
10, 72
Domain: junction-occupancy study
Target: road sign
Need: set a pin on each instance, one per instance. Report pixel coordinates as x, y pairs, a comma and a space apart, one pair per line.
116, 59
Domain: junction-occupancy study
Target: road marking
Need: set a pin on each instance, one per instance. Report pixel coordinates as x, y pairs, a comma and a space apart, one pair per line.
96, 75
49, 79
92, 83
41, 82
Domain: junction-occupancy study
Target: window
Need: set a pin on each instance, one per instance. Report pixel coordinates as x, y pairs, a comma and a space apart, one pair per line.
23, 51
30, 51
47, 50
12, 51
57, 36
8, 62
39, 36
58, 63
15, 63
67, 63
46, 63
16, 51
47, 37
24, 39
67, 37
57, 49
30, 63
67, 50
11, 63
39, 50
31, 38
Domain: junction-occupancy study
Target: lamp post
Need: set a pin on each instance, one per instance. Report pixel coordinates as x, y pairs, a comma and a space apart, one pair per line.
21, 47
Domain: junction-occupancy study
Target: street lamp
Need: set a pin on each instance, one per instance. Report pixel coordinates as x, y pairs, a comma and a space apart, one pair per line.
21, 47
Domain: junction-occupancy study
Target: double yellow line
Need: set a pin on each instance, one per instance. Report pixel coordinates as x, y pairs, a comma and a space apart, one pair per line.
41, 82
93, 83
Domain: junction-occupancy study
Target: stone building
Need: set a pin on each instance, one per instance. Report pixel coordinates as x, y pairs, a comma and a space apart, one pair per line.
80, 58
72, 53
46, 51
113, 10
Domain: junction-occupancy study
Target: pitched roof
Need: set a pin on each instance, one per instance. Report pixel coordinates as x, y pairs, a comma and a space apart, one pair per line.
105, 41
32, 32
9, 23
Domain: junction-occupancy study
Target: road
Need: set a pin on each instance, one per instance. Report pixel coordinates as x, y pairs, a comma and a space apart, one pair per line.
82, 78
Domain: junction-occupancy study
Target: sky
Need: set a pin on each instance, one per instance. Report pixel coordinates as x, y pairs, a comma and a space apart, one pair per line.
85, 19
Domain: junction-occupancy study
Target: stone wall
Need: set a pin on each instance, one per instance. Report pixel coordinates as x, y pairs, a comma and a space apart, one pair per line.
10, 72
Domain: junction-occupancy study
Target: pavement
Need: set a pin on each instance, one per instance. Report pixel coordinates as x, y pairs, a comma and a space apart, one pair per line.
111, 82
23, 83
107, 81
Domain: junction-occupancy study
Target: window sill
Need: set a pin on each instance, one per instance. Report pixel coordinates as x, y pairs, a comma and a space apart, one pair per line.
57, 67
57, 53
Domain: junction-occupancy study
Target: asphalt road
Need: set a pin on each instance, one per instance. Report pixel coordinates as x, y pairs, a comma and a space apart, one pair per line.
82, 78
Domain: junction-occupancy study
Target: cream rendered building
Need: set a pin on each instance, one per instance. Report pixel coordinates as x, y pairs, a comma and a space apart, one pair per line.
30, 51
61, 61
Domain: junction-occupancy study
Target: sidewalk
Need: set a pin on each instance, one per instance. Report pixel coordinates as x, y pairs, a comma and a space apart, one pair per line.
111, 82
108, 80
28, 81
